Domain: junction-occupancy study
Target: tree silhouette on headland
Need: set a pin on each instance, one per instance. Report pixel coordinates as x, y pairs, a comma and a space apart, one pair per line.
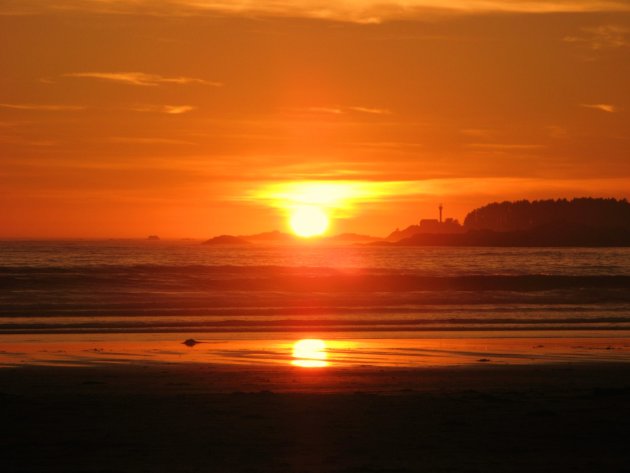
525, 215
578, 222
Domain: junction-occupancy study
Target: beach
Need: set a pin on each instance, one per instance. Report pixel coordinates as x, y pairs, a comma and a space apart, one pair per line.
195, 417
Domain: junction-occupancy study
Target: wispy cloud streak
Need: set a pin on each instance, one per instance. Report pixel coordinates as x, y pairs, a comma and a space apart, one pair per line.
504, 146
168, 109
603, 107
148, 141
602, 37
371, 111
141, 78
42, 108
341, 110
364, 11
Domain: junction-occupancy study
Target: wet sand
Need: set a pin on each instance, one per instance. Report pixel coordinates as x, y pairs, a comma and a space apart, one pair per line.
411, 350
165, 417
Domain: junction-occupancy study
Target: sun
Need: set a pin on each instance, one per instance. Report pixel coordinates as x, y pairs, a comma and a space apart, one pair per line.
308, 221
310, 353
311, 206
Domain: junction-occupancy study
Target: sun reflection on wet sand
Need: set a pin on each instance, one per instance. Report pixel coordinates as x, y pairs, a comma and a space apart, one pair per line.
310, 353
428, 350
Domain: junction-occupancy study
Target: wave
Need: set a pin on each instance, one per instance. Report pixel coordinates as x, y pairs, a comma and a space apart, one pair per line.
290, 279
200, 298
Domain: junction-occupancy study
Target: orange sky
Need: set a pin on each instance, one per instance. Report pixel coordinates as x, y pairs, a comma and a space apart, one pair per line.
123, 118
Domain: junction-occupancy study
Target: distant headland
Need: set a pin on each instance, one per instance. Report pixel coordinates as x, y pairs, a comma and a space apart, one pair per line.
590, 222
577, 222
281, 238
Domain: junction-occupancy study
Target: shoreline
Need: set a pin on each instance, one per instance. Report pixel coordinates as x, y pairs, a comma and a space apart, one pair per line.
341, 349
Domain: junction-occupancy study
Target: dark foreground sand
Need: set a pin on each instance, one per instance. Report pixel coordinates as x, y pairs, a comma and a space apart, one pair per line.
196, 418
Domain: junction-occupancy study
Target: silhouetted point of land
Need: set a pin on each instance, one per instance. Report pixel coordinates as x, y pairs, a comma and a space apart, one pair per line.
580, 222
583, 222
280, 238
226, 240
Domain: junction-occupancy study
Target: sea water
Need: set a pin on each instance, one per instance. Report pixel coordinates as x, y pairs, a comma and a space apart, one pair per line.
79, 290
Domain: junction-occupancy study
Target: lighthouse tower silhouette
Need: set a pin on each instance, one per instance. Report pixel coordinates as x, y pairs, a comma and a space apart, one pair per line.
440, 207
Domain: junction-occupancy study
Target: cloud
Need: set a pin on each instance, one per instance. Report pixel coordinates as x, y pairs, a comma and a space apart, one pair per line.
168, 109
42, 108
477, 132
343, 198
29, 142
372, 111
329, 110
504, 146
177, 109
148, 141
141, 78
557, 132
604, 107
360, 11
602, 37
338, 197
340, 110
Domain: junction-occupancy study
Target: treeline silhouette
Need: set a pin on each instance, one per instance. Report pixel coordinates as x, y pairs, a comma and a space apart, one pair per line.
577, 222
602, 214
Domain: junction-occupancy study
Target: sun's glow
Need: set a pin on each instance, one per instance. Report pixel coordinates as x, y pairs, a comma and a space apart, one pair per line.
311, 206
325, 194
338, 199
310, 353
308, 221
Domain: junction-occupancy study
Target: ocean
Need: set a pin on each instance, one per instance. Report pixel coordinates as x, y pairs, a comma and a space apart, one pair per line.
183, 286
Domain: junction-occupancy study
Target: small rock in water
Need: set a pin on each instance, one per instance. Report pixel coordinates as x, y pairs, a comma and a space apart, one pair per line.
191, 342
483, 360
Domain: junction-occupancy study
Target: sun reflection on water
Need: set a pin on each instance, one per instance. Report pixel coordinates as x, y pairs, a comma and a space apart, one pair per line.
309, 353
